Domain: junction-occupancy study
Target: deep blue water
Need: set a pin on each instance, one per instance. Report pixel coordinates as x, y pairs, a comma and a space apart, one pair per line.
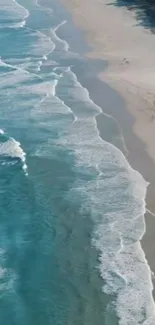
71, 207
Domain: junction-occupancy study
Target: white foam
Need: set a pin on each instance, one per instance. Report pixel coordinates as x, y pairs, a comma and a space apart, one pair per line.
39, 65
58, 105
52, 92
22, 9
50, 104
42, 44
116, 202
150, 212
115, 199
14, 13
55, 36
45, 88
18, 72
49, 10
12, 148
20, 24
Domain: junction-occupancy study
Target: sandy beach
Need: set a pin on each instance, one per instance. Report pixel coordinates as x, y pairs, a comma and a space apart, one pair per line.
76, 159
129, 49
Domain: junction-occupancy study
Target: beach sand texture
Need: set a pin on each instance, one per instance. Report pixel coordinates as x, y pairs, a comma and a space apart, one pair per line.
115, 35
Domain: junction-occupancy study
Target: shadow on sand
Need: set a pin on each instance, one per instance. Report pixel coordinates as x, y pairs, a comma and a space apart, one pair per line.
144, 9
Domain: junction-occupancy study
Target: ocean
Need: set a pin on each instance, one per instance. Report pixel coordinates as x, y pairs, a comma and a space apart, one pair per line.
71, 207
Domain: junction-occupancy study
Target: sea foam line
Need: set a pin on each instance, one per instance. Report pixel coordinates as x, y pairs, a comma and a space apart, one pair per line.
52, 92
123, 264
20, 24
45, 55
49, 10
18, 68
54, 30
39, 32
22, 7
98, 108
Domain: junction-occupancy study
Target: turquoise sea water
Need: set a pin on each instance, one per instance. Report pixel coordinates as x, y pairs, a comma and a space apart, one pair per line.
71, 207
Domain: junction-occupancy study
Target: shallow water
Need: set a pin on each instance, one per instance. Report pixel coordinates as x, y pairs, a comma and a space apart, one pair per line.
71, 206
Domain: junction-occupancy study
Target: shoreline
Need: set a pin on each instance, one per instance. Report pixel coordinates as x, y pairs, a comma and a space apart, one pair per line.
132, 112
136, 153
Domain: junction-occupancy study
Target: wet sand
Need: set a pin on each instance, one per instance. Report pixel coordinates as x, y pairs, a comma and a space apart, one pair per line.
129, 50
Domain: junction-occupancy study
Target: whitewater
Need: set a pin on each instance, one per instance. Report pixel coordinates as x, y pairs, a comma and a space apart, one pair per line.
54, 166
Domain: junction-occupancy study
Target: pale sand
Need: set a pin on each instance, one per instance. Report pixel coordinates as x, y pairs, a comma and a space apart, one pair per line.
114, 34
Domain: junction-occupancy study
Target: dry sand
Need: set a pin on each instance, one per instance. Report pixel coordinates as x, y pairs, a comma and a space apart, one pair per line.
115, 35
